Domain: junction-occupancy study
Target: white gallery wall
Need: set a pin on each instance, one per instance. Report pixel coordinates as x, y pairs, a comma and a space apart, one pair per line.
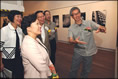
107, 40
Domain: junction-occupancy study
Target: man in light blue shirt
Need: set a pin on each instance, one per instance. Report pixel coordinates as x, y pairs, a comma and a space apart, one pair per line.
52, 34
81, 34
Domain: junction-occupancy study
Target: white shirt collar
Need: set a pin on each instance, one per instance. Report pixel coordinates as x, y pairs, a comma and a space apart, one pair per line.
11, 27
43, 33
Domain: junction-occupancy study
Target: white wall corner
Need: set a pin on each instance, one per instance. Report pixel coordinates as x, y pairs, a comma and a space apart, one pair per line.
19, 6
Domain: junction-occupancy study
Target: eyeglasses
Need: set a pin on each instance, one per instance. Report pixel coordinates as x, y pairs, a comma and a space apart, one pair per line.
41, 16
74, 14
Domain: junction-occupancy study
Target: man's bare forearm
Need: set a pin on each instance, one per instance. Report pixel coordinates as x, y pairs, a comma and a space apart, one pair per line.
72, 41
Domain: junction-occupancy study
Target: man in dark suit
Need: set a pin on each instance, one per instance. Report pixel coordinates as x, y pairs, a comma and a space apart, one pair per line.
44, 30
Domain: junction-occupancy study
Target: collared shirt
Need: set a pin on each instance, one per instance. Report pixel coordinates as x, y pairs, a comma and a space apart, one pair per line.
8, 41
51, 26
76, 31
43, 33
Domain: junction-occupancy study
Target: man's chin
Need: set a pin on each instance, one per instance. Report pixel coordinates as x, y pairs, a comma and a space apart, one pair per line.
42, 23
19, 25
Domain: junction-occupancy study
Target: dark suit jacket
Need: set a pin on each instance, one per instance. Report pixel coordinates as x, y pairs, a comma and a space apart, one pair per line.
46, 43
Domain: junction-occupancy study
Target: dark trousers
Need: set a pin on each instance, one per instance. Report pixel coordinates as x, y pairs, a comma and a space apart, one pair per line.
53, 50
86, 67
16, 66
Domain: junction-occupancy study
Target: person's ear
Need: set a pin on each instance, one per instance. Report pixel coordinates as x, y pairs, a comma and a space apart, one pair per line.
28, 28
72, 16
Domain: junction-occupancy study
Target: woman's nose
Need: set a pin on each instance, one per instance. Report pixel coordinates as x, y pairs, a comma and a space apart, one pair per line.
39, 25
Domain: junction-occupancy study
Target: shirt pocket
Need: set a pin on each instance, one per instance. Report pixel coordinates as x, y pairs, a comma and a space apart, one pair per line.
86, 35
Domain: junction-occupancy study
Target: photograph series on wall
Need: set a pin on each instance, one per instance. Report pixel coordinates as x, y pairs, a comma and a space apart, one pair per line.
97, 16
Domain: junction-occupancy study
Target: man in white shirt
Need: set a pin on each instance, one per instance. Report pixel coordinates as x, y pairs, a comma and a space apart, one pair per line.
44, 30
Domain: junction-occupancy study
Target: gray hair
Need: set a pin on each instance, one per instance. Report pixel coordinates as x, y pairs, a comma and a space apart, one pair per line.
73, 8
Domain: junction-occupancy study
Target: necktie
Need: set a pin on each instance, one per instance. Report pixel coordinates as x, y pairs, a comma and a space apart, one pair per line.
17, 53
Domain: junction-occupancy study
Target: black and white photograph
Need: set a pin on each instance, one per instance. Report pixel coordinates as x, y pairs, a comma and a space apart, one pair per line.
99, 17
56, 20
66, 21
83, 15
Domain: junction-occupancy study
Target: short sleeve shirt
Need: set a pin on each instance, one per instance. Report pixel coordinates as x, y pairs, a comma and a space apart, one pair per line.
76, 31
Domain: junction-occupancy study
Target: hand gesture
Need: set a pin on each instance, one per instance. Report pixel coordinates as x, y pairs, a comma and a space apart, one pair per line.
101, 29
79, 42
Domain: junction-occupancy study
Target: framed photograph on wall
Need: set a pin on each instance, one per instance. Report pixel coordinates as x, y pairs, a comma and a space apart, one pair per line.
66, 20
56, 20
83, 15
99, 17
